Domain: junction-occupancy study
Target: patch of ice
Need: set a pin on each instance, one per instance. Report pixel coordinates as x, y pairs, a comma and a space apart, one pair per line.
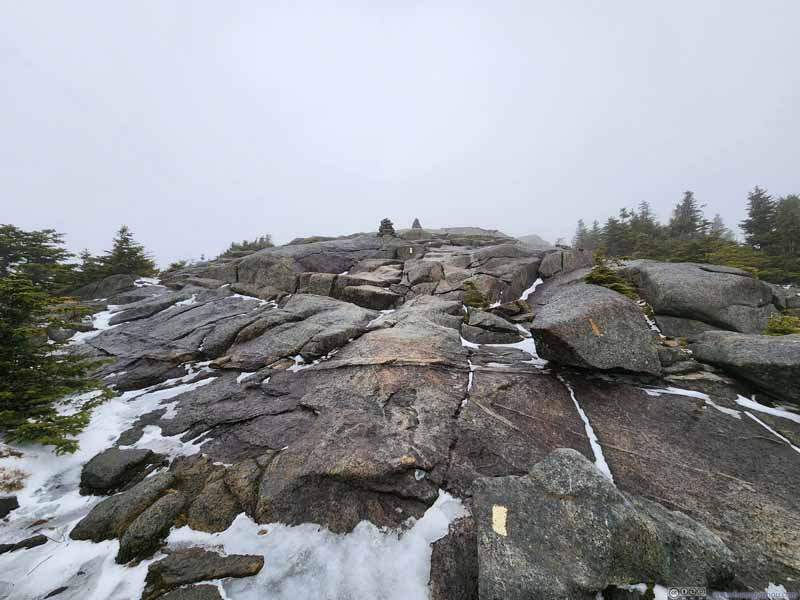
243, 375
378, 318
259, 301
100, 322
527, 345
308, 561
597, 449
693, 394
467, 344
531, 289
772, 431
146, 281
497, 365
471, 375
775, 591
775, 412
188, 301
299, 364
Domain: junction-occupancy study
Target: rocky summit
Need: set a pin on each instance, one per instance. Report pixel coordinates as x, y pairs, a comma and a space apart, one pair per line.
521, 433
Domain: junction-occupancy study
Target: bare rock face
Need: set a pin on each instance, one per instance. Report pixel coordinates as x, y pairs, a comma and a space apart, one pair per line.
721, 297
565, 531
770, 362
590, 326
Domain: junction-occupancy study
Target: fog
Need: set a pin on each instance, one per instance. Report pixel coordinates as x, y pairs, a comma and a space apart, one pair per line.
204, 122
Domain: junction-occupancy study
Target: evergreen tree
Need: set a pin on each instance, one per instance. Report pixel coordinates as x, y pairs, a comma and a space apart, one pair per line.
719, 230
37, 255
595, 236
787, 226
581, 237
127, 256
687, 221
265, 241
35, 375
759, 225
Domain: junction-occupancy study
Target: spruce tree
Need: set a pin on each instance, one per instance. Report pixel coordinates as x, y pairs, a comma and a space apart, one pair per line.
687, 221
127, 256
581, 238
35, 376
787, 226
37, 255
719, 230
759, 226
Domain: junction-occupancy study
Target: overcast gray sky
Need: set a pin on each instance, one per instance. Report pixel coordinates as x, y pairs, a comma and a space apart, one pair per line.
199, 122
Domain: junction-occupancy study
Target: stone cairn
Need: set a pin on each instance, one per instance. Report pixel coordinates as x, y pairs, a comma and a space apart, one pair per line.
416, 224
386, 228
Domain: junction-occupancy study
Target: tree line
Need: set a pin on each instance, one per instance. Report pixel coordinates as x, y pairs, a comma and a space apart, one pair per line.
771, 234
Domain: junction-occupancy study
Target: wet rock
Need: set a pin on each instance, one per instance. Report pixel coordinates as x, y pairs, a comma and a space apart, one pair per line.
454, 563
772, 363
7, 504
565, 531
26, 544
590, 326
722, 297
144, 536
111, 517
115, 468
193, 592
191, 565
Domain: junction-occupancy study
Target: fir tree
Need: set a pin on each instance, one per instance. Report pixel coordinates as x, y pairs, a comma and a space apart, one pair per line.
787, 226
719, 229
759, 225
34, 375
37, 255
687, 221
127, 256
581, 238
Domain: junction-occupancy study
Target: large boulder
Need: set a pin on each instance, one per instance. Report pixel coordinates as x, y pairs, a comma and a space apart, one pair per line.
564, 260
143, 537
771, 363
106, 287
565, 531
593, 327
192, 565
723, 297
112, 516
115, 469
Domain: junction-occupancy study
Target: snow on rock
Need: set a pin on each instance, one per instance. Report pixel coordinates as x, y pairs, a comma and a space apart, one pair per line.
775, 412
531, 289
693, 394
308, 561
597, 449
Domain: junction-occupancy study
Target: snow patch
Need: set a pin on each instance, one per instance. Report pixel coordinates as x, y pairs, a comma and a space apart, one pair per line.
597, 449
772, 431
188, 301
531, 289
308, 561
693, 394
775, 412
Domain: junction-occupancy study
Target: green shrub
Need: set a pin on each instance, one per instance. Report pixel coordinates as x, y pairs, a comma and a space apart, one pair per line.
782, 325
604, 275
473, 297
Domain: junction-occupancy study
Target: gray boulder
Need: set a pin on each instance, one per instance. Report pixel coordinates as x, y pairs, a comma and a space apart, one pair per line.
148, 530
679, 327
192, 565
722, 297
593, 327
564, 260
565, 531
486, 328
106, 287
111, 517
771, 363
116, 468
